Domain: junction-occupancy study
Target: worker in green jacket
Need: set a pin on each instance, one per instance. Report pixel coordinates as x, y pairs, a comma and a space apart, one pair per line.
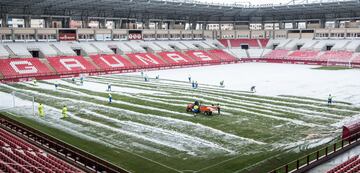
64, 112
41, 110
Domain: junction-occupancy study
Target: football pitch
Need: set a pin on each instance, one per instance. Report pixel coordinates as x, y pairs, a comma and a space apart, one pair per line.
147, 128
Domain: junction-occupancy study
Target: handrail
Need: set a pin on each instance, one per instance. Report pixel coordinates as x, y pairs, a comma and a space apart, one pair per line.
322, 153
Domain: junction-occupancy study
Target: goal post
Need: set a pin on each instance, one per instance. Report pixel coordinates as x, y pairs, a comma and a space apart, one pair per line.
17, 101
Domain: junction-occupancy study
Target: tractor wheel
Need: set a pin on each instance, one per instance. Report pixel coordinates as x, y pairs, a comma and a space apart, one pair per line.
210, 113
206, 113
187, 110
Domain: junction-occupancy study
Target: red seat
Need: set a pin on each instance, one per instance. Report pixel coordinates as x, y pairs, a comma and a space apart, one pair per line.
224, 42
70, 64
304, 55
175, 58
336, 56
22, 67
146, 60
346, 166
201, 56
239, 42
111, 61
222, 55
277, 54
264, 42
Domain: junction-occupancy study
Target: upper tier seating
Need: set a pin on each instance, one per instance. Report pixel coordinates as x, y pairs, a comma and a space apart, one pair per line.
277, 54
86, 48
19, 50
44, 48
189, 45
22, 67
338, 56
174, 44
224, 42
17, 155
222, 55
239, 42
304, 55
145, 59
74, 64
152, 46
175, 58
135, 46
263, 42
63, 49
125, 49
3, 52
103, 48
111, 61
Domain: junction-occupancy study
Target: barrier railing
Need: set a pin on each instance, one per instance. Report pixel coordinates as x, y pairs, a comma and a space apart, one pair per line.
320, 156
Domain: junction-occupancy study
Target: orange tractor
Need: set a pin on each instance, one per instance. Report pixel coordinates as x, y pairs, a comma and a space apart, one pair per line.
207, 110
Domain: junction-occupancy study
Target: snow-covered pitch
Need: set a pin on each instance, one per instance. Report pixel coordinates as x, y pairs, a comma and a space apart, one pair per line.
147, 121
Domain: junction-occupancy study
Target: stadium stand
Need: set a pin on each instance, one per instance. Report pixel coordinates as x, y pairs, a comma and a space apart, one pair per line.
17, 155
337, 56
45, 49
122, 47
22, 67
63, 49
176, 58
111, 61
102, 48
70, 64
224, 42
153, 47
352, 165
222, 55
277, 54
145, 59
86, 48
18, 50
200, 56
135, 47
239, 42
303, 55
176, 45
189, 45
3, 52
238, 53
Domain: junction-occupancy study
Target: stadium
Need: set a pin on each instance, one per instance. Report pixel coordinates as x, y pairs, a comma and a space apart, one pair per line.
162, 86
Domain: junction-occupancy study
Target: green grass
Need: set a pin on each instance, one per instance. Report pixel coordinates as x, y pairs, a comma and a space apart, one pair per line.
148, 117
332, 68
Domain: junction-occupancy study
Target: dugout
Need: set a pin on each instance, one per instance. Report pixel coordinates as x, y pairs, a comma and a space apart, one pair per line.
352, 129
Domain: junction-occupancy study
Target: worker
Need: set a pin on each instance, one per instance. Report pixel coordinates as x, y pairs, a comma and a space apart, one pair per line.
81, 81
330, 98
253, 89
35, 82
222, 83
218, 108
189, 79
41, 110
110, 98
56, 85
109, 87
196, 109
73, 80
64, 112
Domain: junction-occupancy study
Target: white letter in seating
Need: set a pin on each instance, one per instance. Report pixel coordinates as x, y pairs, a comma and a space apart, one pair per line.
29, 68
176, 57
146, 59
71, 63
118, 64
202, 56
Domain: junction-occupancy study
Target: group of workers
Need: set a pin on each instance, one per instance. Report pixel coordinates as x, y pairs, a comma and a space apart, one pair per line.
41, 111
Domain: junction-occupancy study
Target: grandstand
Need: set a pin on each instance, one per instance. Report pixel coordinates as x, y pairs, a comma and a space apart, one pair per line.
145, 127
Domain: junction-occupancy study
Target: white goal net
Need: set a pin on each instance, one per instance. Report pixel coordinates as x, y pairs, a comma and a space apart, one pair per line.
17, 101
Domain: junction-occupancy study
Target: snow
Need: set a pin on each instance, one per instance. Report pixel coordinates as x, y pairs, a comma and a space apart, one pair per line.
275, 79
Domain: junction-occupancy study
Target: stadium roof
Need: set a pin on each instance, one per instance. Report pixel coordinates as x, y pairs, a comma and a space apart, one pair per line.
183, 10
